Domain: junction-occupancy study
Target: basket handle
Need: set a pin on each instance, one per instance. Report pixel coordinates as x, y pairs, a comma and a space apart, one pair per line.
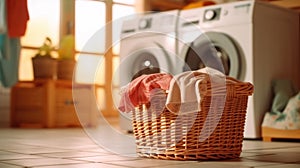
232, 87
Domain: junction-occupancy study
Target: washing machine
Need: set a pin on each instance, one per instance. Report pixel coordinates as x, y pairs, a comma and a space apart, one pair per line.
148, 45
253, 41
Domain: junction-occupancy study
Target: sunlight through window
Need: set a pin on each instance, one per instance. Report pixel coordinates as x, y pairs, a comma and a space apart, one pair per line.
43, 22
89, 24
120, 13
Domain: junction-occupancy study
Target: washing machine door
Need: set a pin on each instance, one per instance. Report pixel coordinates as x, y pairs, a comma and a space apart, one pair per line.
147, 58
216, 50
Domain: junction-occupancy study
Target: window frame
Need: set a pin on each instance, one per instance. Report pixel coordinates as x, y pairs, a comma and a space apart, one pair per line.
68, 18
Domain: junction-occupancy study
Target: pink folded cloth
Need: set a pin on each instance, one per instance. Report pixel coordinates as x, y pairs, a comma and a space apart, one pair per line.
143, 89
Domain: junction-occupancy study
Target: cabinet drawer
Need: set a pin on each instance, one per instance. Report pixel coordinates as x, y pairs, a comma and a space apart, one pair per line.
64, 97
29, 96
66, 117
65, 114
28, 116
50, 103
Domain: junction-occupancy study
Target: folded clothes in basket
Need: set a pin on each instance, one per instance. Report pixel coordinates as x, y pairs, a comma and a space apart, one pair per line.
140, 90
183, 90
184, 94
215, 132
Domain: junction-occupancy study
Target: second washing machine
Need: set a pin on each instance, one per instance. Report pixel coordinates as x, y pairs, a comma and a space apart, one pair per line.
248, 40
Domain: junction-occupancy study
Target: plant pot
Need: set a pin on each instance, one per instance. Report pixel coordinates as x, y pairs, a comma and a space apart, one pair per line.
65, 69
44, 67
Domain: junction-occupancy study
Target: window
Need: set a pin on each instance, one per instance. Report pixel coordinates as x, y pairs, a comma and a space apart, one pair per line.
92, 39
89, 20
44, 22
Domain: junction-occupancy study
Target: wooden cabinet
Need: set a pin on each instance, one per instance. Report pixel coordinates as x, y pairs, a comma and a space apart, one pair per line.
292, 4
272, 133
52, 103
159, 5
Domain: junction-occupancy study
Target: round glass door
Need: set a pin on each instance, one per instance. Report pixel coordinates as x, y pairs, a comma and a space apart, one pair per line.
145, 63
215, 50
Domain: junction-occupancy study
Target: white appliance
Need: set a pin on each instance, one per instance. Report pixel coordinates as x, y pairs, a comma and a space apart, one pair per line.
147, 46
257, 42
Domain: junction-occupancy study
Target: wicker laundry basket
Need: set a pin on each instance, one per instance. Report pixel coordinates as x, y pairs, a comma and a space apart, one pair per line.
195, 136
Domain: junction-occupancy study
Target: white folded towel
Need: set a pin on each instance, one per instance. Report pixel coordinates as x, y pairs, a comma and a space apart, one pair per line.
184, 92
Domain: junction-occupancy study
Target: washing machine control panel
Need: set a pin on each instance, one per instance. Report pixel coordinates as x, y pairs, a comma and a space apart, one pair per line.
212, 14
145, 23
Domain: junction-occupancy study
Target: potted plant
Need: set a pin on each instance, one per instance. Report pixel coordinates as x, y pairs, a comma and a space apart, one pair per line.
44, 65
66, 58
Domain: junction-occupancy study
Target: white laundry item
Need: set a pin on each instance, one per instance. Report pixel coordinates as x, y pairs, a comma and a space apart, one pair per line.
184, 93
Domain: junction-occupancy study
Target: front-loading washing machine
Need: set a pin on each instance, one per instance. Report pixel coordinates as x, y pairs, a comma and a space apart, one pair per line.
254, 41
147, 46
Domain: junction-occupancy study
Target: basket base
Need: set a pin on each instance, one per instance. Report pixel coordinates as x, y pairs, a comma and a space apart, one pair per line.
190, 157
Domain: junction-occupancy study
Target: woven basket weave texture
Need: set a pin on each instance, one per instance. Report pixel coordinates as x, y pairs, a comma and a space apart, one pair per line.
215, 132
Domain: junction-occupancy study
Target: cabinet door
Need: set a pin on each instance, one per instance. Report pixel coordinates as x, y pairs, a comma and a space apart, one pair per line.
29, 96
65, 110
86, 107
28, 105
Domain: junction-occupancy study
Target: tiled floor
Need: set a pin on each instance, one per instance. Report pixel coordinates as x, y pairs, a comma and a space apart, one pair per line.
76, 148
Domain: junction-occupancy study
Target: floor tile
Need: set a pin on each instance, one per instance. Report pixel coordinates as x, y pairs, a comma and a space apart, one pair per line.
6, 152
203, 165
278, 150
14, 144
17, 156
255, 153
68, 148
282, 166
106, 158
41, 162
71, 154
84, 165
280, 157
259, 145
97, 150
64, 143
4, 165
140, 163
36, 150
249, 163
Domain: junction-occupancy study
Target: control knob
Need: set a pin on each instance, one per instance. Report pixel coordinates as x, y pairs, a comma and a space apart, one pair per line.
144, 23
209, 15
